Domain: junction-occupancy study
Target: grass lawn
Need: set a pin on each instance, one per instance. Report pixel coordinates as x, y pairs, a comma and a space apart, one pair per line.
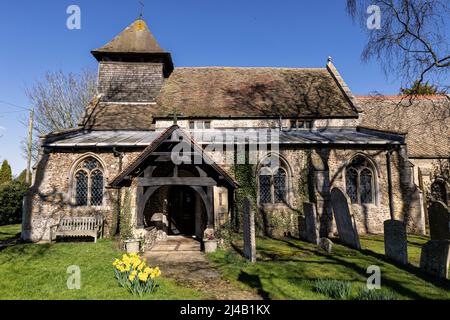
9, 232
375, 243
287, 268
39, 271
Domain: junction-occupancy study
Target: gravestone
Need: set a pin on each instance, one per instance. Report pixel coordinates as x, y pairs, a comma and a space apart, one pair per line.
346, 227
326, 244
435, 258
311, 230
439, 217
395, 241
249, 231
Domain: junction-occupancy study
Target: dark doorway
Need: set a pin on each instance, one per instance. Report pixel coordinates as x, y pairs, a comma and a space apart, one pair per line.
181, 211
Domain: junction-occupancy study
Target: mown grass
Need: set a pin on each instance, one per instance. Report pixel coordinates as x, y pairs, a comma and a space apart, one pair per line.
375, 243
39, 271
9, 232
288, 269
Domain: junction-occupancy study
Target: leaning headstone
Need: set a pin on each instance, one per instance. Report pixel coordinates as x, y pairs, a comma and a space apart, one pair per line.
346, 227
249, 231
395, 241
435, 258
439, 217
326, 244
311, 229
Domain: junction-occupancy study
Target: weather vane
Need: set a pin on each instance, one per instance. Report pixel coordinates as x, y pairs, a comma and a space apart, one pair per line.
142, 10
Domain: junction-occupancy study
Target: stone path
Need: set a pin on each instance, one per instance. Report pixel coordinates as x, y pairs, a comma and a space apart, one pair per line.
181, 259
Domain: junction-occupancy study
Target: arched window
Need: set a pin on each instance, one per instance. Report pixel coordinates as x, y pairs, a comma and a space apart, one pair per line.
89, 183
438, 191
273, 184
360, 181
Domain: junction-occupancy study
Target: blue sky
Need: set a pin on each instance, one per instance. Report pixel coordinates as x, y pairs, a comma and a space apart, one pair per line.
283, 33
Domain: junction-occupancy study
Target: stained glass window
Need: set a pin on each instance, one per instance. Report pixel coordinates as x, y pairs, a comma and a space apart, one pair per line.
265, 193
352, 184
438, 191
89, 183
366, 186
97, 188
359, 181
81, 197
279, 183
272, 184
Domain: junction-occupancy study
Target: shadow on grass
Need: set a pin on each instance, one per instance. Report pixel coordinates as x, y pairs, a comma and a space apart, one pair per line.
440, 283
253, 282
343, 256
443, 284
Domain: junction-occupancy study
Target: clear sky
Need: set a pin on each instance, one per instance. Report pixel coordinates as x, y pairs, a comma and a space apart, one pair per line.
283, 33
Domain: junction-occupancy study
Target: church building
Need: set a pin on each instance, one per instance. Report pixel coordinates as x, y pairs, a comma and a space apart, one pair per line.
172, 151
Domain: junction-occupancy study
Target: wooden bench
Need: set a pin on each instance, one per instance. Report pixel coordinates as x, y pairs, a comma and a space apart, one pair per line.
77, 227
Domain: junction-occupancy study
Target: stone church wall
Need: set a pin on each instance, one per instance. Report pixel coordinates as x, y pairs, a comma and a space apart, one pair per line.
50, 197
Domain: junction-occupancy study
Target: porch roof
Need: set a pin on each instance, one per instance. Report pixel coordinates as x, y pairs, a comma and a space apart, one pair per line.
167, 136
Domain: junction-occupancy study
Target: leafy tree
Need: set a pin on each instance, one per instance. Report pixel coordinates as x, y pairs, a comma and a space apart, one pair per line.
420, 89
11, 202
5, 173
22, 177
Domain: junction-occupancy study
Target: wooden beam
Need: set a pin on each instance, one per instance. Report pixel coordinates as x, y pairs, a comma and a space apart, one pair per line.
171, 181
169, 153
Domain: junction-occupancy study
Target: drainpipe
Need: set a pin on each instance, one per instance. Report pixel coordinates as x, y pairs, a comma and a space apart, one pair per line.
119, 155
389, 173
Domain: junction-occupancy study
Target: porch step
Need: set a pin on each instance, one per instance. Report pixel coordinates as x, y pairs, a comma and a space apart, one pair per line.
178, 244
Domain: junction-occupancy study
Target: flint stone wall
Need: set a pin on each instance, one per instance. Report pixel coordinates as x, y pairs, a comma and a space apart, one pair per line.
50, 197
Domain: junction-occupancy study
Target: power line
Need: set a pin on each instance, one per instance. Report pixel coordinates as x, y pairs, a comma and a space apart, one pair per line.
14, 105
10, 112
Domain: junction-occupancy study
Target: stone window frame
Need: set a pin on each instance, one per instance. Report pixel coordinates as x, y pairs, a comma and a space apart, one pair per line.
301, 124
199, 125
283, 165
446, 189
374, 169
72, 180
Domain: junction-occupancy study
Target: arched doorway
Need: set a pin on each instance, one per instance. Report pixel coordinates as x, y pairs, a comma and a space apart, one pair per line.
176, 210
186, 214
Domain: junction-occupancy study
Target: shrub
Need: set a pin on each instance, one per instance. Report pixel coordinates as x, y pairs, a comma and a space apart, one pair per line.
133, 273
366, 294
334, 289
11, 202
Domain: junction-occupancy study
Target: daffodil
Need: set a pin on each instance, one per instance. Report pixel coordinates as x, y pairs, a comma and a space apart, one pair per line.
143, 276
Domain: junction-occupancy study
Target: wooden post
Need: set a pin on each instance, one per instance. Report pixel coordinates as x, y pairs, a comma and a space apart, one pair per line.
30, 142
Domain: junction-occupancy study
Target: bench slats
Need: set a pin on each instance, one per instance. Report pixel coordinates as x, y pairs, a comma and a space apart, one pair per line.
79, 226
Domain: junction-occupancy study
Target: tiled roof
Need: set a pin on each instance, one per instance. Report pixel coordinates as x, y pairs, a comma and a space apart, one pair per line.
254, 92
136, 38
425, 120
220, 92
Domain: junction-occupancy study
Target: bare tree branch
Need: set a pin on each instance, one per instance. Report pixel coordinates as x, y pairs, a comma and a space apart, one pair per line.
58, 100
413, 41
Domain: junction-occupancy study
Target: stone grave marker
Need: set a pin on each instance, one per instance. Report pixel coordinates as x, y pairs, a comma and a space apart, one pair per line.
311, 229
395, 241
439, 217
249, 231
435, 258
348, 234
326, 244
